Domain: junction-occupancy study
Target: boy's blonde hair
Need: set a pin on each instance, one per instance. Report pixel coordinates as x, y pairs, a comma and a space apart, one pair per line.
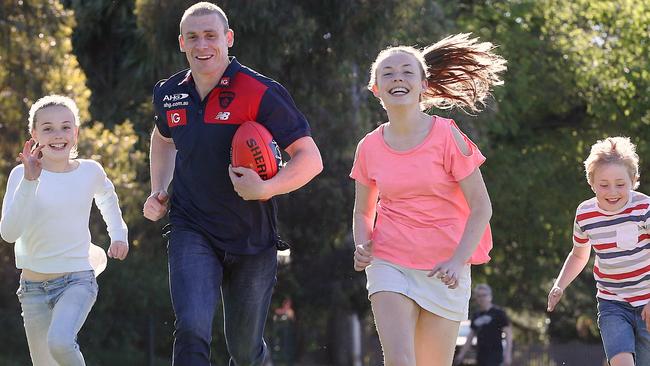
50, 101
613, 150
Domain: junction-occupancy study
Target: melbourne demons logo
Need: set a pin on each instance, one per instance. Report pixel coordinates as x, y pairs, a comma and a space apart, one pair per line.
176, 117
225, 98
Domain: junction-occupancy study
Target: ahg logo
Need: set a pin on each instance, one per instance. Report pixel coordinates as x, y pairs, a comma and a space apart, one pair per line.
175, 97
176, 117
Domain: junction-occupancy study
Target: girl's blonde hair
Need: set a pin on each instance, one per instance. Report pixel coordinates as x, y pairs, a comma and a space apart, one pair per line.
50, 101
613, 150
460, 71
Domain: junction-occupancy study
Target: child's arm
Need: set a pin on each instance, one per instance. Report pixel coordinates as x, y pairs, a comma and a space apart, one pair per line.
17, 205
366, 194
108, 204
478, 200
477, 197
574, 264
21, 190
363, 218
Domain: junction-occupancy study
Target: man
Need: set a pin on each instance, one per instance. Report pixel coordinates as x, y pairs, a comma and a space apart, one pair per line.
488, 325
223, 236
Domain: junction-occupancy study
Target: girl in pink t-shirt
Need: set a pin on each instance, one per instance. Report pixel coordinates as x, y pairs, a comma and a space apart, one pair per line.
421, 208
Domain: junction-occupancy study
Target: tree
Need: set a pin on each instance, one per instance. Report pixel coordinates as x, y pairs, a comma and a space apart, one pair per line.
35, 59
576, 74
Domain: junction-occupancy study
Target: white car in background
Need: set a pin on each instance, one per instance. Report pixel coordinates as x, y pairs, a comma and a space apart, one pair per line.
463, 332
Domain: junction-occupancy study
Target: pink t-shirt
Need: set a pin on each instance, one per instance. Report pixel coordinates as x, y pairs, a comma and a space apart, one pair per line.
422, 211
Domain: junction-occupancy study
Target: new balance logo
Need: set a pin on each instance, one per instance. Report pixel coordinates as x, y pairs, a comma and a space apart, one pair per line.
223, 116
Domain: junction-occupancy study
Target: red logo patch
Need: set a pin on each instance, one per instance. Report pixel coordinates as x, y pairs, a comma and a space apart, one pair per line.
176, 117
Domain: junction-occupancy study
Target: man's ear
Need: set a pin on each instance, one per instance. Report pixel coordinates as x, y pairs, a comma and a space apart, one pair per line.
230, 37
181, 43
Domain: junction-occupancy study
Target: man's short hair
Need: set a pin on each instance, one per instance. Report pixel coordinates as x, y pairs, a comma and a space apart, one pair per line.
483, 286
204, 8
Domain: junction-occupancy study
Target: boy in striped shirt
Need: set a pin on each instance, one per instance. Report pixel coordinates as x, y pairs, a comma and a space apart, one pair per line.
616, 224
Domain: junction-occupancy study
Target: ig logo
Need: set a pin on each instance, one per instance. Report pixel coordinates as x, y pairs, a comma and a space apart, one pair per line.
176, 117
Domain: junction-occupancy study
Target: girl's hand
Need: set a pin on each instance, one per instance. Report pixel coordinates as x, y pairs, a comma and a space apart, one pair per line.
448, 272
118, 250
30, 157
362, 255
554, 297
645, 315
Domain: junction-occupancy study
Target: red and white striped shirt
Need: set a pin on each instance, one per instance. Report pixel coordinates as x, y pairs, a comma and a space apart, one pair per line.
621, 241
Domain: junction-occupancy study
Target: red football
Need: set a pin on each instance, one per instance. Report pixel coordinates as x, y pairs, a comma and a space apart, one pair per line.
253, 147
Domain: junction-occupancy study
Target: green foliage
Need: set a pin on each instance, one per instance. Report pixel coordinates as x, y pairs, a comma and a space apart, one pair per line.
104, 34
578, 71
35, 59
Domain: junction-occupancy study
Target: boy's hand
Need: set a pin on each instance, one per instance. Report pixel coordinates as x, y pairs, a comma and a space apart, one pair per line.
645, 315
554, 297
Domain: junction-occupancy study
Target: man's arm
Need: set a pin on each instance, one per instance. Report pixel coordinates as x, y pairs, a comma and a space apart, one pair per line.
468, 343
304, 165
507, 351
162, 156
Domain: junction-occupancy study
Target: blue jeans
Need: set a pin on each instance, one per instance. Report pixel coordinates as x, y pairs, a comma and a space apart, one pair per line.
623, 330
53, 313
200, 275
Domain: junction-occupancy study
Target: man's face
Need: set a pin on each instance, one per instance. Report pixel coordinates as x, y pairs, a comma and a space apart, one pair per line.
483, 298
205, 43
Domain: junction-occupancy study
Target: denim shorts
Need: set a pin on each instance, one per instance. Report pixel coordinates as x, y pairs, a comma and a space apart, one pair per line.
623, 330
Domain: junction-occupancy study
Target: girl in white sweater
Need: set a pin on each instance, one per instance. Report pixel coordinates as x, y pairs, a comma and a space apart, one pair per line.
45, 211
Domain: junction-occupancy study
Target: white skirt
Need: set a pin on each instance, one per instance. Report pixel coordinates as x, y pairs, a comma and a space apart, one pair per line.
428, 292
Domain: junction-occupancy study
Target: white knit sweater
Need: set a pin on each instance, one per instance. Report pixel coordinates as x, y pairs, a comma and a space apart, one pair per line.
48, 218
